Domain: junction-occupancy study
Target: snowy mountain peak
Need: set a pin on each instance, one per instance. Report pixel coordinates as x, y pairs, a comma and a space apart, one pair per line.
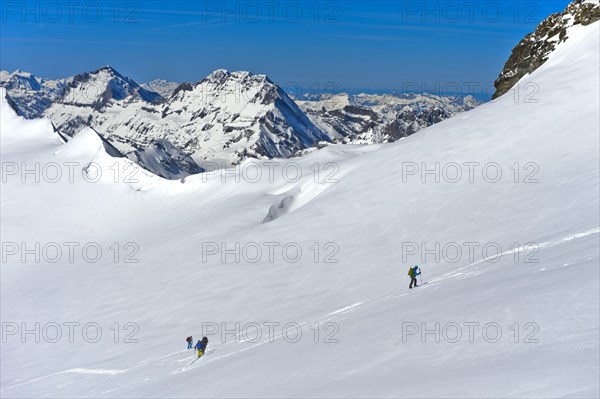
22, 81
111, 72
99, 87
4, 76
220, 76
240, 115
22, 73
230, 87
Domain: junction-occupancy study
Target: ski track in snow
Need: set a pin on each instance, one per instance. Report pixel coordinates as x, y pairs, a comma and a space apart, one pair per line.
345, 310
329, 316
543, 245
95, 371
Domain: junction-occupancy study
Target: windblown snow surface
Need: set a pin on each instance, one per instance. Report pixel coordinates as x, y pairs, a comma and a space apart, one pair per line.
368, 214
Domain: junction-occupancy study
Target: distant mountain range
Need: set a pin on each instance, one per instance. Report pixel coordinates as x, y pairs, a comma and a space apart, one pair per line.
176, 129
376, 118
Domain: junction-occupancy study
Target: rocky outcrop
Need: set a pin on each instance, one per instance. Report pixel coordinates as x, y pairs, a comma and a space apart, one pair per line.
165, 160
534, 49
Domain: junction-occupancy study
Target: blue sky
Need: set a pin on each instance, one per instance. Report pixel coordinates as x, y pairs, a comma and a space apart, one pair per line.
347, 44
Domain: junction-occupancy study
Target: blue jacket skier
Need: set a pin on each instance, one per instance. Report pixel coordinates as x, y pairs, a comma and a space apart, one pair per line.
413, 272
201, 346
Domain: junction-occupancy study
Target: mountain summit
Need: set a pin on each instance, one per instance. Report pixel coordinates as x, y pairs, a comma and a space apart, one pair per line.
97, 88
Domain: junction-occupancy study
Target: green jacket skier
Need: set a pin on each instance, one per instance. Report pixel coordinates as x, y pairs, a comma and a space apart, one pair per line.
413, 272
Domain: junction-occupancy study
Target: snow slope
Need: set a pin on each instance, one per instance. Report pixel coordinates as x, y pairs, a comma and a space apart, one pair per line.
368, 213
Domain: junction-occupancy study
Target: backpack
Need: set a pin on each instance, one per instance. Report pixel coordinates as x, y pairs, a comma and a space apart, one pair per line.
188, 339
411, 272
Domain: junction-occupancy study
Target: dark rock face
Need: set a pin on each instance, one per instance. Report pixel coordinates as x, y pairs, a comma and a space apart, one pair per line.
165, 160
185, 86
534, 49
108, 147
436, 115
11, 103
